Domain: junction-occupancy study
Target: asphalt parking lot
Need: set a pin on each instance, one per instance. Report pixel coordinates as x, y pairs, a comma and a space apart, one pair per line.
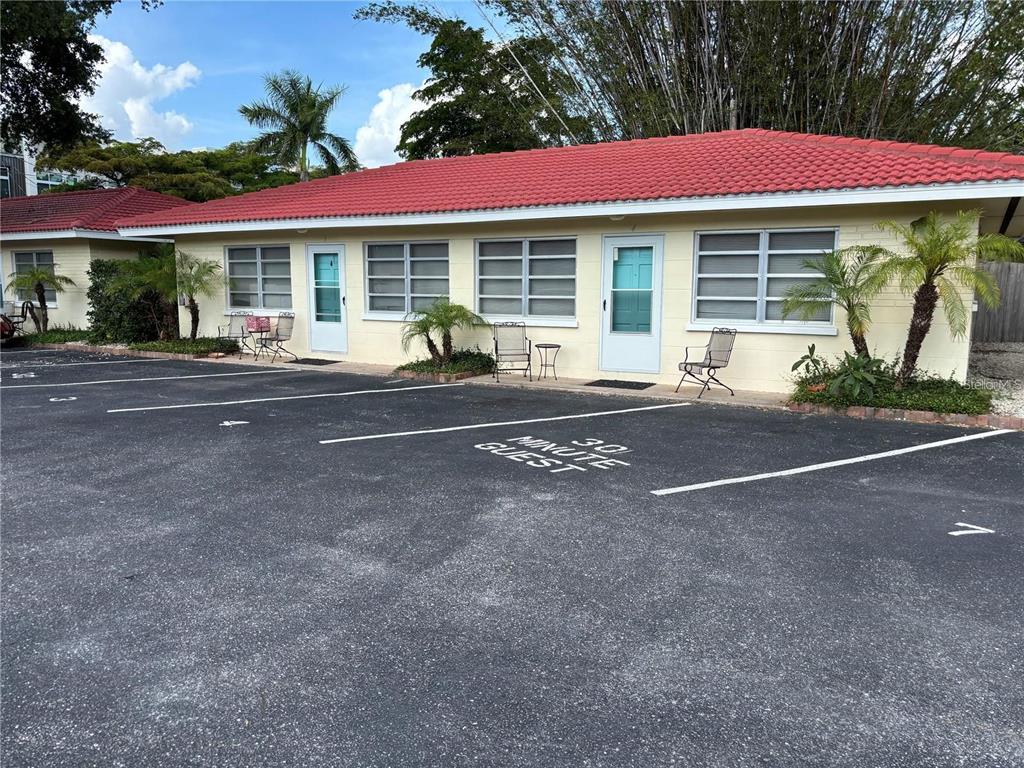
218, 564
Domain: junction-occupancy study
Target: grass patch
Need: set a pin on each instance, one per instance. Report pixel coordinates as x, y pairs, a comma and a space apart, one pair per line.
925, 393
201, 346
463, 361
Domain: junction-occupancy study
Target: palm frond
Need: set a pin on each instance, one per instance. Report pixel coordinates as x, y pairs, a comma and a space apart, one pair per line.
953, 305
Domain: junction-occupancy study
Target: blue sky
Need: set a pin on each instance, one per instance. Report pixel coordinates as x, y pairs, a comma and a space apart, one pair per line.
180, 71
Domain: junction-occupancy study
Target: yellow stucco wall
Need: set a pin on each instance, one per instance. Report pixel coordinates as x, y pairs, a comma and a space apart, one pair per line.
761, 361
71, 258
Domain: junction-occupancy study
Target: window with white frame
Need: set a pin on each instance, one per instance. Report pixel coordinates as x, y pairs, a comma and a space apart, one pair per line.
743, 277
403, 277
5, 181
259, 277
526, 278
26, 261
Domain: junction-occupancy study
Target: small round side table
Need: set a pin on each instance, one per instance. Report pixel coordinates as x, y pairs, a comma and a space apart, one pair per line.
548, 353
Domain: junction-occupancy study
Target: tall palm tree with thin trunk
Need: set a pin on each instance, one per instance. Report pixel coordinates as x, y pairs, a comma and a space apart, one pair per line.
294, 118
938, 259
39, 280
850, 278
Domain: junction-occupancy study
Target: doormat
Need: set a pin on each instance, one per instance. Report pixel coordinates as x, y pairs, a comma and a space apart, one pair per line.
616, 384
313, 361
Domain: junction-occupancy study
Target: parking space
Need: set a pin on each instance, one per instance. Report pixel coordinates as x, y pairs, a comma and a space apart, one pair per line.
255, 565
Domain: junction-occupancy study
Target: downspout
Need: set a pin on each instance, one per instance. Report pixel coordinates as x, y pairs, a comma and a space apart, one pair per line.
1011, 210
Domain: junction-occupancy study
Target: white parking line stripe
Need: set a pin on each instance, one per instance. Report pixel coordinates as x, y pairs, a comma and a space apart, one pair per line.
5, 352
273, 399
498, 424
151, 378
830, 464
93, 362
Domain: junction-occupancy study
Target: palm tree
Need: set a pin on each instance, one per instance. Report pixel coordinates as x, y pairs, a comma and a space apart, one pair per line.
39, 280
294, 117
443, 317
850, 278
938, 259
196, 277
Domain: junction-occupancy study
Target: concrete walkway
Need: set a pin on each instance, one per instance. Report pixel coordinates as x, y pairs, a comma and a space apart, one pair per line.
661, 391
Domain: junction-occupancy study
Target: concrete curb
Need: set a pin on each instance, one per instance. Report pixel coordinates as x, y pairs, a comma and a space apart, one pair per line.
989, 420
439, 378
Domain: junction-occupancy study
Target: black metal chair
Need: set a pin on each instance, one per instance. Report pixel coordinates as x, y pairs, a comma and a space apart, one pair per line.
17, 319
714, 356
275, 340
512, 348
236, 331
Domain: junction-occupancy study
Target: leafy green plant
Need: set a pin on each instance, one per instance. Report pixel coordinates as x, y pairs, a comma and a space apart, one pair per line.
813, 365
850, 278
58, 334
937, 259
39, 280
196, 277
201, 346
462, 361
855, 375
117, 312
441, 317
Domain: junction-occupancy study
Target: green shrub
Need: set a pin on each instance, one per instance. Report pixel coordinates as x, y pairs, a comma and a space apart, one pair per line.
834, 384
201, 346
115, 315
463, 361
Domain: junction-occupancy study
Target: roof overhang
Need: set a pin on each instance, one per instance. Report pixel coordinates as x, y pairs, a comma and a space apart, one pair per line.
66, 234
923, 193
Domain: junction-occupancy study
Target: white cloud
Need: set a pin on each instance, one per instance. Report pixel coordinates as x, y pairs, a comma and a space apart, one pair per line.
377, 138
127, 90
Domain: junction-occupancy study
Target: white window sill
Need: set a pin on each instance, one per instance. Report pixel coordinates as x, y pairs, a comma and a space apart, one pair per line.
535, 322
388, 317
798, 330
259, 312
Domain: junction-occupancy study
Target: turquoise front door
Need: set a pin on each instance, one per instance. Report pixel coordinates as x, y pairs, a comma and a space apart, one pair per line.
327, 321
631, 303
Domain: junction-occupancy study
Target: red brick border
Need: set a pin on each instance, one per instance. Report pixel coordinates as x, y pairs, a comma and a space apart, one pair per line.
991, 420
119, 351
440, 378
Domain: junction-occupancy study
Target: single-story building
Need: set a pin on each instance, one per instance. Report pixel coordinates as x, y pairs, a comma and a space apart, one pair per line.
66, 231
622, 252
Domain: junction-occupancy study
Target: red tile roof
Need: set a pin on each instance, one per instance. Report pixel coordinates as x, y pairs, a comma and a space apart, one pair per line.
93, 209
741, 162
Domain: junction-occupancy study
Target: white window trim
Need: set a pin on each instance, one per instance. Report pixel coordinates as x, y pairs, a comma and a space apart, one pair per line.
370, 314
760, 325
550, 321
258, 311
14, 293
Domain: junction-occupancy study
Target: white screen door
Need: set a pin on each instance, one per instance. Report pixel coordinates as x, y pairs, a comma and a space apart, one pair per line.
327, 320
631, 303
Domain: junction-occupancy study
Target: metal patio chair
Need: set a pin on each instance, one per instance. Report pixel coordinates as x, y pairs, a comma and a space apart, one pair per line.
512, 347
275, 340
236, 331
713, 357
18, 318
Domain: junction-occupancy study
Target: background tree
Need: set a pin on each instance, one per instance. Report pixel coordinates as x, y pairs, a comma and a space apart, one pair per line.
197, 175
850, 278
943, 72
295, 117
47, 64
482, 97
39, 280
441, 317
939, 257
